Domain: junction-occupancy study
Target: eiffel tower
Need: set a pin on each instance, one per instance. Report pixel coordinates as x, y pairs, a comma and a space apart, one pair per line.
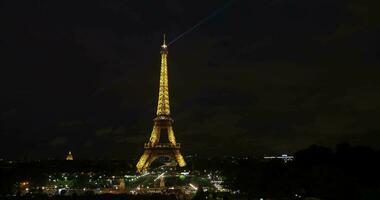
162, 123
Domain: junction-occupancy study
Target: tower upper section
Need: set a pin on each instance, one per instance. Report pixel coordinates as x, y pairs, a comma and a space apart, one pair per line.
163, 107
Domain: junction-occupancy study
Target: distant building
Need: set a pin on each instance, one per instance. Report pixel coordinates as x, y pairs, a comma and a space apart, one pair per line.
121, 184
69, 156
283, 157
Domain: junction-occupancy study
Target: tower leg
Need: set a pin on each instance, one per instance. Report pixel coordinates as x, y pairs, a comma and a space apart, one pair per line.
179, 158
171, 135
143, 160
151, 158
155, 136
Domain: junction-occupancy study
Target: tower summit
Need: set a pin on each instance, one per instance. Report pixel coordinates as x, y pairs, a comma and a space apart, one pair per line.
162, 124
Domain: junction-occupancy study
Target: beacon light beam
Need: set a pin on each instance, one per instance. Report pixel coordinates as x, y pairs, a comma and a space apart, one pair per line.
217, 11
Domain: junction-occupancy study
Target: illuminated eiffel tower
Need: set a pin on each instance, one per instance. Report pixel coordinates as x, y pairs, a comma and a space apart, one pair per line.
162, 123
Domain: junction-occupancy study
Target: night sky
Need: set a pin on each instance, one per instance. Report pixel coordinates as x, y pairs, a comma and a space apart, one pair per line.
261, 76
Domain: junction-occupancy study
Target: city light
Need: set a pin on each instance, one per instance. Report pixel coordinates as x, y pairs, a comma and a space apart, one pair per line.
191, 185
158, 177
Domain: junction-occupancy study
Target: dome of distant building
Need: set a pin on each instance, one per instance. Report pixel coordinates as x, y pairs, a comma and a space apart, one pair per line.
69, 156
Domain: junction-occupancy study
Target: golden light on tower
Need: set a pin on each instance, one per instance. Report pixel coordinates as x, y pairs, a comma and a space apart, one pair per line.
163, 107
163, 122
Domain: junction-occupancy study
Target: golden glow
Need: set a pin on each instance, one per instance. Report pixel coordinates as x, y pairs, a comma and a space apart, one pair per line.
142, 161
163, 122
25, 183
179, 158
171, 135
155, 136
69, 156
163, 107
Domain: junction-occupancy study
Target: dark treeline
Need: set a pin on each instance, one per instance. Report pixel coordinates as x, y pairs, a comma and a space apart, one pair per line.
344, 173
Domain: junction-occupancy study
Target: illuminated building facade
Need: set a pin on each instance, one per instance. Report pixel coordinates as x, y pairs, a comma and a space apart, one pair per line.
162, 123
69, 156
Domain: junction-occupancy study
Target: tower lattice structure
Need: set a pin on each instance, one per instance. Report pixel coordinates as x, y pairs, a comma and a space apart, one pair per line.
162, 123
